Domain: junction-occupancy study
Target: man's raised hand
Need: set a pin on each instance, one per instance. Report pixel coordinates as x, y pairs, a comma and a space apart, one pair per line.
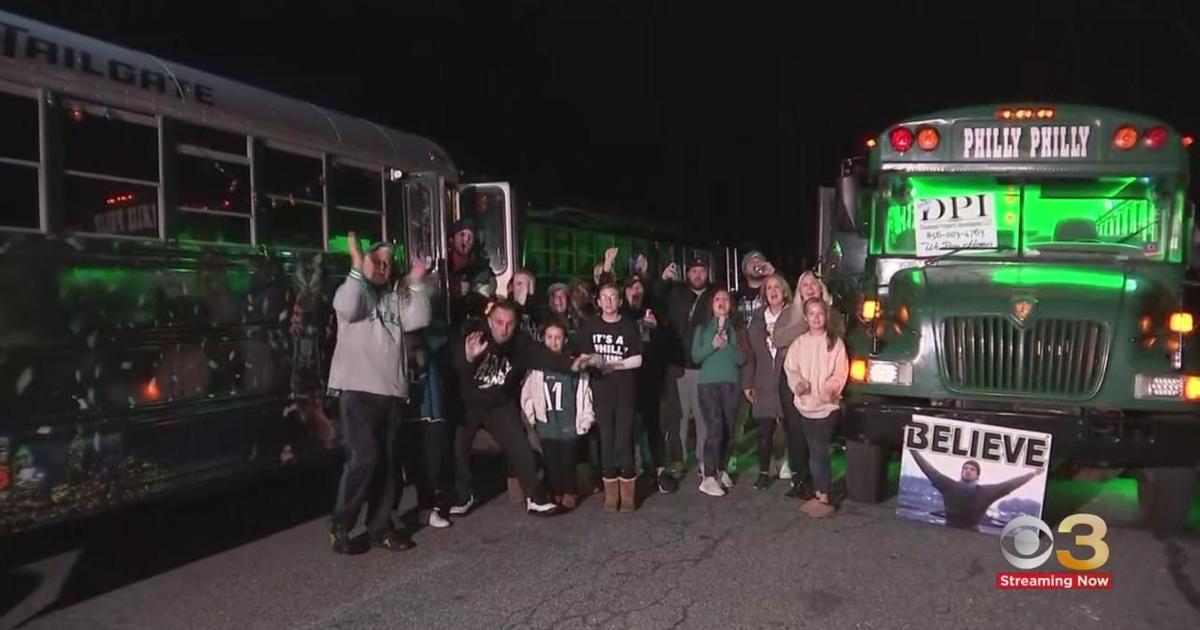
475, 345
356, 255
610, 256
419, 268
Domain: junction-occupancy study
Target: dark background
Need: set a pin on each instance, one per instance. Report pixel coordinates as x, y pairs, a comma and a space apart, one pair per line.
726, 116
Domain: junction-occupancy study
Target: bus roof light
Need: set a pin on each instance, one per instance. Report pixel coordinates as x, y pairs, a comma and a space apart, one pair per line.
1005, 114
1125, 138
870, 143
1023, 114
902, 139
1156, 137
1187, 141
928, 139
1045, 113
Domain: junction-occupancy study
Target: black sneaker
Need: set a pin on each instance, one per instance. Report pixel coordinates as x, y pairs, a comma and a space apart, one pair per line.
541, 509
763, 482
666, 483
340, 541
395, 541
464, 507
800, 491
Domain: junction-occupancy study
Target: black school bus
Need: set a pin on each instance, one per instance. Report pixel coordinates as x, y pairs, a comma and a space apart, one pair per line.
169, 244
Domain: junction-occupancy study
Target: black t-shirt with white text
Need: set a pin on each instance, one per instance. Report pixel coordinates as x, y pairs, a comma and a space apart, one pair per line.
615, 342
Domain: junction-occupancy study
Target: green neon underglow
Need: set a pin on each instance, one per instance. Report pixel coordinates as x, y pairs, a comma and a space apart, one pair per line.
108, 276
1032, 276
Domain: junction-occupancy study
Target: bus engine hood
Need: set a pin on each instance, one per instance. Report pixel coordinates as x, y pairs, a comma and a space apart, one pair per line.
1023, 291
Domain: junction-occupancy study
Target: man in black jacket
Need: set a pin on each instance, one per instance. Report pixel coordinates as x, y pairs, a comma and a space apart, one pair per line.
490, 362
688, 307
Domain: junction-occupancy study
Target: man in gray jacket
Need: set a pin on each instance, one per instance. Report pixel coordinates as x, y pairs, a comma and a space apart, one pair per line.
370, 369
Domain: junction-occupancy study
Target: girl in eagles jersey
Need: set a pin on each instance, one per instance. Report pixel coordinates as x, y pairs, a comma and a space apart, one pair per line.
559, 407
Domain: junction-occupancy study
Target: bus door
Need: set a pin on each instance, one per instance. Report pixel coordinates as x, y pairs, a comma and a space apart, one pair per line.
420, 229
733, 270
490, 206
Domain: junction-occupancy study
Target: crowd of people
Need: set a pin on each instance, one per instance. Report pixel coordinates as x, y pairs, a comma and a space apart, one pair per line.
579, 378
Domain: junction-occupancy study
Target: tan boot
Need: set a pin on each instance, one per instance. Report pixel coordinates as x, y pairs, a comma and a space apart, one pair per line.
515, 493
612, 495
628, 494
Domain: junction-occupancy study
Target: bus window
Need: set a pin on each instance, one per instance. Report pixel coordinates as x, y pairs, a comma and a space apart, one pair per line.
290, 200
214, 186
19, 157
357, 199
485, 204
419, 226
111, 170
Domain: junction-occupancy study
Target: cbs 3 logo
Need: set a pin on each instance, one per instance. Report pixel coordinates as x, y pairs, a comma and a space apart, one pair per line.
1026, 531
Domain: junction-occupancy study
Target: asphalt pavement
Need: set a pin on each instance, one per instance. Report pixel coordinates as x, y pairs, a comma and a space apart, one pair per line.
258, 558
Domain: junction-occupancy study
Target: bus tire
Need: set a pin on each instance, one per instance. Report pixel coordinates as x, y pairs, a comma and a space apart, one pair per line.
866, 471
1165, 498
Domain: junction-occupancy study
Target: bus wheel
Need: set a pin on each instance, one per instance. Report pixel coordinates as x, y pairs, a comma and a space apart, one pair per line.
1165, 498
866, 471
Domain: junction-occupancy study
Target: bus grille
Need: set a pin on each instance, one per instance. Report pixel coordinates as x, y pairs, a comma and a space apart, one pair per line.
1056, 357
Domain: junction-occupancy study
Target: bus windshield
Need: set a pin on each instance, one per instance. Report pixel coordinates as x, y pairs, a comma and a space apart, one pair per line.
998, 216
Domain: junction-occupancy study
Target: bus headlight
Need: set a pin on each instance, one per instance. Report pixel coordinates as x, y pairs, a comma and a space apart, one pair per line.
1171, 387
875, 372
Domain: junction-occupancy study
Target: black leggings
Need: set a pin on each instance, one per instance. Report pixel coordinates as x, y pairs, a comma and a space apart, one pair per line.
797, 447
560, 456
818, 433
614, 419
766, 442
426, 447
719, 404
649, 419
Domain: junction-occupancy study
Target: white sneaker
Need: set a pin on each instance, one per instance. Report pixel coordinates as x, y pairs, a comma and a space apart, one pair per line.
785, 471
710, 487
540, 509
463, 508
437, 521
725, 481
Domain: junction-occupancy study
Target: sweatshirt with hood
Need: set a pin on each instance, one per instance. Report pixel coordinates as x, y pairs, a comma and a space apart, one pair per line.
371, 355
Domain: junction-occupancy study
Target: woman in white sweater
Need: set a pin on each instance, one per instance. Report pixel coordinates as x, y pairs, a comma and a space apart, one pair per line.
817, 368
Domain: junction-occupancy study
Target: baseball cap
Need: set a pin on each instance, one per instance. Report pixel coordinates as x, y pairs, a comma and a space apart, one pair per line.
750, 255
465, 223
696, 262
556, 287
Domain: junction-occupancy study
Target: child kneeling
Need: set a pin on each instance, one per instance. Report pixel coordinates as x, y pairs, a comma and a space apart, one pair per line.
559, 406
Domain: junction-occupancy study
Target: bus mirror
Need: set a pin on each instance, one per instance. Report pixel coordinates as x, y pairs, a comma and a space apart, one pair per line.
848, 199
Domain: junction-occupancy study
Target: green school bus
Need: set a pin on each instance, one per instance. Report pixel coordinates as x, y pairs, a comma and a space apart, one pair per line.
1026, 266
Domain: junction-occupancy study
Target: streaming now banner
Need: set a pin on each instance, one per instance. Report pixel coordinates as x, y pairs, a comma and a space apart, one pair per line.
1054, 581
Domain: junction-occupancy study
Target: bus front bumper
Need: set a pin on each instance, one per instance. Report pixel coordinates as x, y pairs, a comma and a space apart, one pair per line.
1085, 437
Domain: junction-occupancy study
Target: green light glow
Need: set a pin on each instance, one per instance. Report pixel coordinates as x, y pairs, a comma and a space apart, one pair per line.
1032, 276
341, 244
1106, 210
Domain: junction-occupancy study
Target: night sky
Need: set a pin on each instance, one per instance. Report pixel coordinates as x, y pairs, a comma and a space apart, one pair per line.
727, 117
